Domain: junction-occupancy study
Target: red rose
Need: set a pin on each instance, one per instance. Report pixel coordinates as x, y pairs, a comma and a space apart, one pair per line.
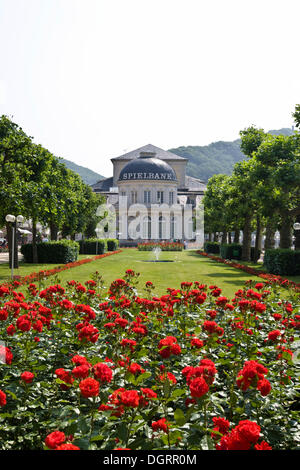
81, 372
198, 387
27, 377
161, 424
273, 335
23, 323
67, 447
2, 398
6, 356
102, 372
262, 446
64, 375
3, 315
130, 398
89, 387
54, 439
264, 387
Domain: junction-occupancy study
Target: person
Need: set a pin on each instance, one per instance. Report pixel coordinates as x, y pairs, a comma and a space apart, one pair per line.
185, 244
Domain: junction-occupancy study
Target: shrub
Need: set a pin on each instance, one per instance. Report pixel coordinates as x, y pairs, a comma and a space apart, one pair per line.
164, 246
255, 254
59, 252
92, 246
112, 244
231, 251
212, 247
282, 261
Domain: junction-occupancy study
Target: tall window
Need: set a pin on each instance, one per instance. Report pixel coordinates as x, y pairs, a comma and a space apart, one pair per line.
147, 197
173, 228
133, 197
171, 198
147, 228
161, 228
160, 197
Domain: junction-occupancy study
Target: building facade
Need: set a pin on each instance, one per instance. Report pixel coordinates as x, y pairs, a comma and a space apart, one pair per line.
150, 191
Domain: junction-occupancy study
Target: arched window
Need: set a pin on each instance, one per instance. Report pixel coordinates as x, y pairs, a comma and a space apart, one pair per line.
147, 228
173, 227
161, 228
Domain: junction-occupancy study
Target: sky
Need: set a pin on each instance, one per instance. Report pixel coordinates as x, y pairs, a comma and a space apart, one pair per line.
91, 79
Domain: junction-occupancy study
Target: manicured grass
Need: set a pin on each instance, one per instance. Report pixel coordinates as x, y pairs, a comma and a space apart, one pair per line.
27, 268
187, 266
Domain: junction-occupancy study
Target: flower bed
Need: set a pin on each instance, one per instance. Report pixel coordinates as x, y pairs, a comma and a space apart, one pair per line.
88, 369
33, 277
275, 279
164, 246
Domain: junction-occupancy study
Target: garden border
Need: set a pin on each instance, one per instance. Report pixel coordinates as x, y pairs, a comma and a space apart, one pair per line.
50, 272
275, 279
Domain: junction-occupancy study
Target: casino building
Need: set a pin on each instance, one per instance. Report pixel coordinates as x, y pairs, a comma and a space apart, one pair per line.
148, 181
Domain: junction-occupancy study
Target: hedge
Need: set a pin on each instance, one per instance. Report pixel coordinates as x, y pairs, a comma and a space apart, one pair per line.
112, 244
59, 252
164, 246
282, 261
231, 251
92, 246
234, 251
212, 247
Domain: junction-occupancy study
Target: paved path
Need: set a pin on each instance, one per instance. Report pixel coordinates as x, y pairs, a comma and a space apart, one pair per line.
4, 257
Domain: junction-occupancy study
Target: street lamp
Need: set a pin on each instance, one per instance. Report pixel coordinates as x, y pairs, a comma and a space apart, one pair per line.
296, 226
13, 220
98, 231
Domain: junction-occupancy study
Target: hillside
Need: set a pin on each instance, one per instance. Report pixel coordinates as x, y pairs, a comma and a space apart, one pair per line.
218, 157
88, 176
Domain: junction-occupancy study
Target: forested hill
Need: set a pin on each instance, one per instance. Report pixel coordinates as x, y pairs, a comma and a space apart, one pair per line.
88, 176
218, 157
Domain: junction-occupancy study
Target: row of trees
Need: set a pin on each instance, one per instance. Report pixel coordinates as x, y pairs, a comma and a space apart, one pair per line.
261, 195
34, 183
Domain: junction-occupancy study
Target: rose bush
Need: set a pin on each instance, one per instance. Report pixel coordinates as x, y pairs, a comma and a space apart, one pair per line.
83, 368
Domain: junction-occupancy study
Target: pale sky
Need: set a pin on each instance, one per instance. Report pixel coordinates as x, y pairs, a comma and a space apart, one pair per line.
90, 79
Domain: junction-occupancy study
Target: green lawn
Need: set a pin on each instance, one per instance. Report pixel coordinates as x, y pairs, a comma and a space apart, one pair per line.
187, 266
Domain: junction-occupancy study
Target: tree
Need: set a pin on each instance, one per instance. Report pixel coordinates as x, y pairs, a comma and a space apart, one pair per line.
216, 194
14, 160
296, 115
278, 160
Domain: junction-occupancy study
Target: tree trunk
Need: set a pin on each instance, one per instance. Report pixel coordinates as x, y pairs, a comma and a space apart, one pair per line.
210, 237
53, 231
229, 237
34, 245
246, 250
258, 239
224, 237
12, 247
297, 235
236, 236
286, 231
270, 235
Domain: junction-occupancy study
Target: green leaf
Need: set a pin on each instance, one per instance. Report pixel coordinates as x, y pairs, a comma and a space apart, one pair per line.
122, 432
179, 392
141, 378
179, 417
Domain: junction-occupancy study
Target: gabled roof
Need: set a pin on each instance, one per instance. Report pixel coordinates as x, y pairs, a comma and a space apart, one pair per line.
160, 153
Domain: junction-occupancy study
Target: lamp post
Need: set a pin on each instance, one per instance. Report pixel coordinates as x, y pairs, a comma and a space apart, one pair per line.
13, 220
97, 230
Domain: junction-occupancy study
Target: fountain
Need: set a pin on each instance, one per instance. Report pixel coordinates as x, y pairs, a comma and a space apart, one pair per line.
156, 252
